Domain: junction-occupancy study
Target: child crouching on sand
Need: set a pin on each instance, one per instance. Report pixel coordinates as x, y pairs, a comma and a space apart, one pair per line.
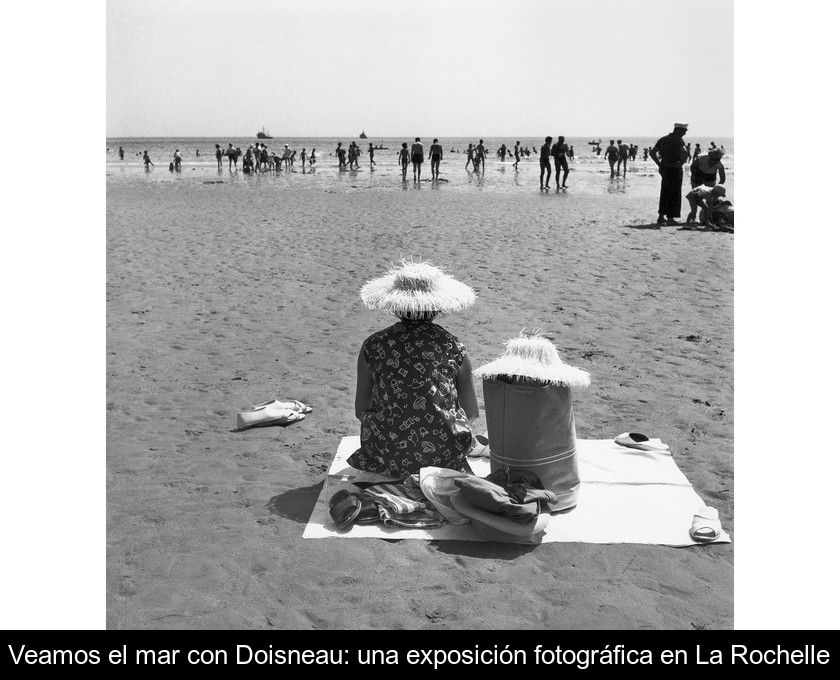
703, 197
414, 389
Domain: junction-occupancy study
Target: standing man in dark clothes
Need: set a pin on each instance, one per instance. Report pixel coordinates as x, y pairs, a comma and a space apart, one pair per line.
669, 154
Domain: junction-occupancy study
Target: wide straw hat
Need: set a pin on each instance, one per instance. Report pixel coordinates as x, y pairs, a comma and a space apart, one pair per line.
417, 287
532, 355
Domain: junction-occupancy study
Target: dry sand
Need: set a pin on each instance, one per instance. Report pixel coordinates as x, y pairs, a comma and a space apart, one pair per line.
224, 295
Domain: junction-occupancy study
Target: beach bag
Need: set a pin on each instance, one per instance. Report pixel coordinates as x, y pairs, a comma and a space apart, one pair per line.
531, 427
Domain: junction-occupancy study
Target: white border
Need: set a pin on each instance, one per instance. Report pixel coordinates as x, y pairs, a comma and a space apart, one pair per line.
52, 505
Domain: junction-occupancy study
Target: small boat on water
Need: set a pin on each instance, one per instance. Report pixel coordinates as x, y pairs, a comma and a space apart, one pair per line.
262, 134
596, 143
363, 135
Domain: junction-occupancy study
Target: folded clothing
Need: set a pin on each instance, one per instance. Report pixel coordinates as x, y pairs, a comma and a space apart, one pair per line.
438, 486
493, 527
523, 486
420, 519
495, 499
403, 505
399, 498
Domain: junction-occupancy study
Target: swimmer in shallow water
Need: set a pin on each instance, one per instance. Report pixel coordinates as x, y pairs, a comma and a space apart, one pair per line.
403, 159
417, 158
545, 163
435, 155
611, 154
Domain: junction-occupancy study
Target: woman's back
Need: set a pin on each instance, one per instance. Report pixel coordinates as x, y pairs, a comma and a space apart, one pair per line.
414, 419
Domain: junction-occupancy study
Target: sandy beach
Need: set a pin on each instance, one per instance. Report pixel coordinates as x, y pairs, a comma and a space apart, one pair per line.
226, 294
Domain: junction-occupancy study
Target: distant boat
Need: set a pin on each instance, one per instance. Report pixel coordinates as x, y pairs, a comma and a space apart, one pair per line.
363, 135
262, 134
595, 143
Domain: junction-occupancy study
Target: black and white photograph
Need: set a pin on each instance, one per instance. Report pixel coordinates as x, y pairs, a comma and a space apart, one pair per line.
422, 316
397, 344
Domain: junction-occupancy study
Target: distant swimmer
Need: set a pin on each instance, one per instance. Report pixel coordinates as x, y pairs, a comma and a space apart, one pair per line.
697, 152
340, 153
480, 153
611, 154
122, 153
312, 158
248, 161
218, 157
623, 155
417, 158
502, 152
196, 153
287, 157
558, 151
233, 157
435, 155
545, 163
370, 153
177, 160
303, 158
644, 153
516, 155
470, 155
403, 158
147, 161
633, 149
572, 152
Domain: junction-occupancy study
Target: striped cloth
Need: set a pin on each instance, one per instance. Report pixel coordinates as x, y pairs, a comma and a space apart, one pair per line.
402, 505
398, 498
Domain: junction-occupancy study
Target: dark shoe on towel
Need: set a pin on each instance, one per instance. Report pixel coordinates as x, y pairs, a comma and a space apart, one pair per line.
345, 508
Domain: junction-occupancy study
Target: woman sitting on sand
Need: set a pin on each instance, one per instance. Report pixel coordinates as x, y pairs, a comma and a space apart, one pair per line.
414, 389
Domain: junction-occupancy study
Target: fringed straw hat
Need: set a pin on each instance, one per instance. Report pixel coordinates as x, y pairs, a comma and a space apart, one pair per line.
414, 287
532, 355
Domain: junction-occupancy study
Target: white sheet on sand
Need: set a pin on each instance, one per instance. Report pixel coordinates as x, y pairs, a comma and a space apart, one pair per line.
626, 496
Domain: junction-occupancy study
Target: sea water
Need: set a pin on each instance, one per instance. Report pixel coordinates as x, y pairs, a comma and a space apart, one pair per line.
589, 172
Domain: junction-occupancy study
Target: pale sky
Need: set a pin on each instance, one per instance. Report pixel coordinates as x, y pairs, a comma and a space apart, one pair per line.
430, 68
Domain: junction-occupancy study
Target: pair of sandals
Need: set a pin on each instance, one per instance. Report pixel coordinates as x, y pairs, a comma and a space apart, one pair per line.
641, 442
348, 508
272, 412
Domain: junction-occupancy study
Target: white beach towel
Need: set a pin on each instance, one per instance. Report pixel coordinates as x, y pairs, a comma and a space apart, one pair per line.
626, 496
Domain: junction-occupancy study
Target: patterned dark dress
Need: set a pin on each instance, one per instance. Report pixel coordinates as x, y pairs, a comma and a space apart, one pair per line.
415, 419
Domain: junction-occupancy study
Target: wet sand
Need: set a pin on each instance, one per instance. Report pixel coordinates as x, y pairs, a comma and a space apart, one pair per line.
224, 295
